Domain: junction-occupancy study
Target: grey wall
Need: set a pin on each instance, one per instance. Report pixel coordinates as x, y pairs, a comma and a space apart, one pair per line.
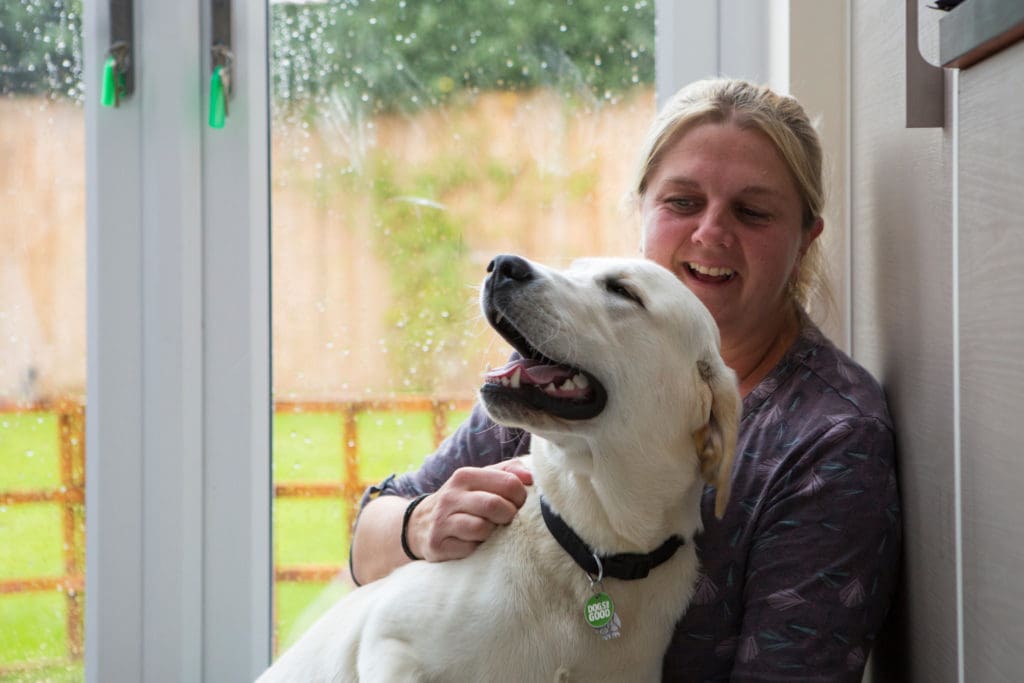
991, 298
932, 209
902, 329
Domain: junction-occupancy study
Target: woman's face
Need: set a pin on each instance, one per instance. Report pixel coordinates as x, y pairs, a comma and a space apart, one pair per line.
722, 212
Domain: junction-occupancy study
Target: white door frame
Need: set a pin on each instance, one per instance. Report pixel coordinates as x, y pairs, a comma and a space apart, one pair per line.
178, 402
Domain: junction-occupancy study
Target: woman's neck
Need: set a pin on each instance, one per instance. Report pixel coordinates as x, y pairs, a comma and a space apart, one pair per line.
752, 356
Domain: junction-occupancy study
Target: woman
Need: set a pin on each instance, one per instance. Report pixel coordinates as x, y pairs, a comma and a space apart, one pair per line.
799, 573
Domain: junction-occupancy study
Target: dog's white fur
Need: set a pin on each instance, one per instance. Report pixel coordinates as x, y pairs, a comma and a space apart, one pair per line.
624, 481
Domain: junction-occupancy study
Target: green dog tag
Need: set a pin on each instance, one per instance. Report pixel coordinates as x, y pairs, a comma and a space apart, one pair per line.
599, 610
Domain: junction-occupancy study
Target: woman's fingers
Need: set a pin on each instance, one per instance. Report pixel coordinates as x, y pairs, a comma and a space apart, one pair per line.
487, 507
455, 549
469, 528
505, 482
444, 531
516, 466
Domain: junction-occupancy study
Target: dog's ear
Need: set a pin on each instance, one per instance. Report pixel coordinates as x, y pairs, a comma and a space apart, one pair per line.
716, 440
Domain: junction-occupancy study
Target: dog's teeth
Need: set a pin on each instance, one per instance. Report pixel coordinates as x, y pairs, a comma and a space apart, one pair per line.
581, 381
505, 382
550, 388
568, 385
515, 378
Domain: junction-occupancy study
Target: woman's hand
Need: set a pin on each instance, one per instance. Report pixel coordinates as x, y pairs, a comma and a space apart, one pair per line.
450, 523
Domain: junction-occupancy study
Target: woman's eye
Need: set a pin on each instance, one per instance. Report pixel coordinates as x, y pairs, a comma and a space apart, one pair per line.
619, 289
683, 203
753, 214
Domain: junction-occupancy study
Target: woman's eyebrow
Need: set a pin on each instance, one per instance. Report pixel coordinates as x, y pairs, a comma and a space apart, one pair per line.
682, 182
686, 182
762, 190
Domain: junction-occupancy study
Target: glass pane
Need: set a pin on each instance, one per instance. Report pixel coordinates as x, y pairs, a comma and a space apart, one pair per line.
412, 142
42, 341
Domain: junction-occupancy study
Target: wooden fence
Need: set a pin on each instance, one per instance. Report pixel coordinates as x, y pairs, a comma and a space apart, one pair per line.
70, 492
70, 495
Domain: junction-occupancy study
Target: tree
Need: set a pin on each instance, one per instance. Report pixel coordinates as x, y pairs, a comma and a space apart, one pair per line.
405, 55
41, 47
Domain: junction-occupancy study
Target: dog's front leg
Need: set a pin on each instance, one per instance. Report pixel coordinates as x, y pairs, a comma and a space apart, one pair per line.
390, 659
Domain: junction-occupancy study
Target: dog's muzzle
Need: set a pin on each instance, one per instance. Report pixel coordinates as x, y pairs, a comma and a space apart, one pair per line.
532, 380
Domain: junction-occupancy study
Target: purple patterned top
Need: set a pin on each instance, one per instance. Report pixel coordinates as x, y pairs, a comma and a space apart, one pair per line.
798, 575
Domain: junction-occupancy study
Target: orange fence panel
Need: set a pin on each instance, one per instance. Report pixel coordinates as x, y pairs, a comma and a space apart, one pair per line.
70, 495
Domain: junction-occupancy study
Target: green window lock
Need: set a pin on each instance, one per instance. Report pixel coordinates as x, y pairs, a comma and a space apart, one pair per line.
115, 82
218, 98
109, 92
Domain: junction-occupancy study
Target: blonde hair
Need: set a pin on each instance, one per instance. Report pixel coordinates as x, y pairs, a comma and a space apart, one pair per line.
782, 120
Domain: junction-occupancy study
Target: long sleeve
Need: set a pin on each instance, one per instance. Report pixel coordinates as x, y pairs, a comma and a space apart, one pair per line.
478, 442
823, 561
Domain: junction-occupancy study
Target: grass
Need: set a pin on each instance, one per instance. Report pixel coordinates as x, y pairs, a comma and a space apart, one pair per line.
29, 451
32, 625
310, 447
306, 447
34, 629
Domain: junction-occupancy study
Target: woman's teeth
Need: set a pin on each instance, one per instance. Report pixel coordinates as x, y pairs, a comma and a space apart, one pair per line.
710, 271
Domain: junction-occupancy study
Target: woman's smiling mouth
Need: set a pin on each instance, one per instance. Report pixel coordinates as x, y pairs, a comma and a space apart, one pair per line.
710, 274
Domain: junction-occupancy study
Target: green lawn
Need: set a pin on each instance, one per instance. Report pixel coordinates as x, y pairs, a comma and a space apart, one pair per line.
32, 625
29, 451
307, 447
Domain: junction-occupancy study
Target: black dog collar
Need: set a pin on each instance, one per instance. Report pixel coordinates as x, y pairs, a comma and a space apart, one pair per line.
625, 566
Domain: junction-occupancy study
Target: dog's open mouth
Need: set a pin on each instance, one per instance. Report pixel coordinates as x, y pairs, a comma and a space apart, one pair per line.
541, 383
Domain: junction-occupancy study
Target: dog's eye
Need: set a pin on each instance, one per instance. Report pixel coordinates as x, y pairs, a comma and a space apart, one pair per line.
622, 289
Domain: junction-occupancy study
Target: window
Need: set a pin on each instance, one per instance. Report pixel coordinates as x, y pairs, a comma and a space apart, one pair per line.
411, 143
385, 151
42, 341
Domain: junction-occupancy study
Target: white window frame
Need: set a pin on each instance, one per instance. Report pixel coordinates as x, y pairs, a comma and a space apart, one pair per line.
178, 560
178, 402
706, 38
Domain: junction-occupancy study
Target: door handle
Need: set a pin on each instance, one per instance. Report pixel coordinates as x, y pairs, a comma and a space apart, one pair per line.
221, 61
119, 66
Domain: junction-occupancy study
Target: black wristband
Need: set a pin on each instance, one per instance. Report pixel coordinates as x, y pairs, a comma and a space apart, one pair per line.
405, 525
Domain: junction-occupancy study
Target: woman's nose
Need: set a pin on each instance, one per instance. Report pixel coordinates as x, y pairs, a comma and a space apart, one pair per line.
713, 229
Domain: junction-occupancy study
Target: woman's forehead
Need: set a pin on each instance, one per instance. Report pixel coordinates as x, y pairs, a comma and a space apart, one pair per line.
744, 159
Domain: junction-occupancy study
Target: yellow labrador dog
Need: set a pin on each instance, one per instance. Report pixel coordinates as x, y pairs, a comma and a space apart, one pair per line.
618, 378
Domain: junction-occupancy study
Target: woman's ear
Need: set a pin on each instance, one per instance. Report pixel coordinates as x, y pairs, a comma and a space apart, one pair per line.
716, 440
810, 235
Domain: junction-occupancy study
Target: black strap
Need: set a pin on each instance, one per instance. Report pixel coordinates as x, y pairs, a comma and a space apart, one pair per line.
625, 566
405, 525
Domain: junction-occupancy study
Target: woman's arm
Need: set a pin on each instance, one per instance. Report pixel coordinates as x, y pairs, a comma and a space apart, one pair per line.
447, 525
473, 485
378, 529
822, 567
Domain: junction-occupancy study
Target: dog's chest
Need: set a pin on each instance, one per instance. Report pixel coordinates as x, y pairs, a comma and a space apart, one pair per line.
539, 601
553, 642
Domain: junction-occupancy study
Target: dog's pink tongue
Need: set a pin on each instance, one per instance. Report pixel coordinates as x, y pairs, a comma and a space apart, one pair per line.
532, 372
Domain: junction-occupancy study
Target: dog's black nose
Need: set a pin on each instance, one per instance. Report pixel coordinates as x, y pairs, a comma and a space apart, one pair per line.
510, 267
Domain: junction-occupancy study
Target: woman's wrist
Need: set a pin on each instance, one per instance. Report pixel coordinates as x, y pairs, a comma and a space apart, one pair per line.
406, 516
